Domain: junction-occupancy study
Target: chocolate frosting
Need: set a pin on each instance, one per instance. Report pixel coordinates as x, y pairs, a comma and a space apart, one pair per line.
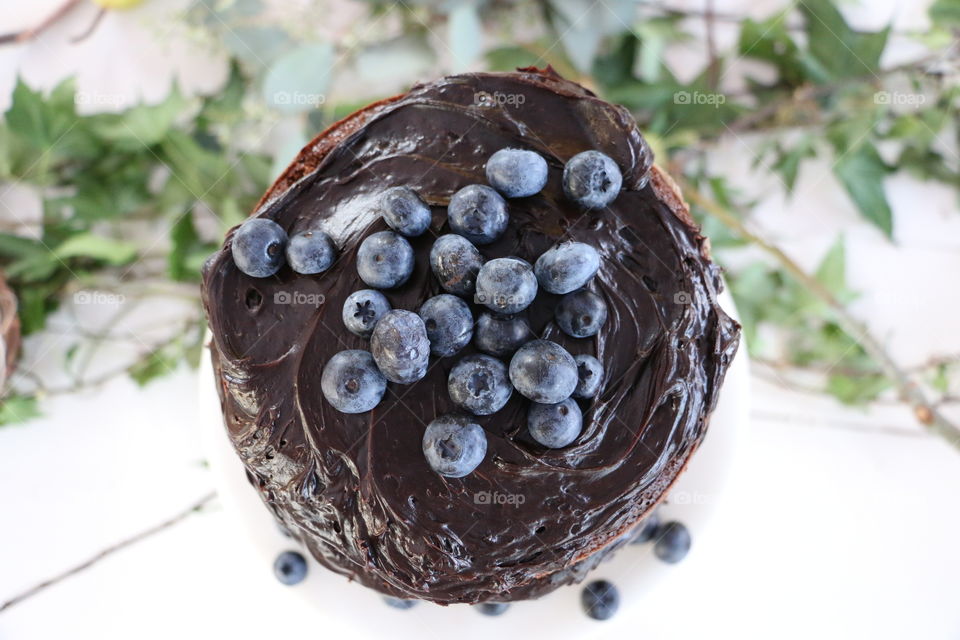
356, 489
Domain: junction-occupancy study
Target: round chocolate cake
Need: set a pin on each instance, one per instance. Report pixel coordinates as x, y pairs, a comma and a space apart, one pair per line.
357, 479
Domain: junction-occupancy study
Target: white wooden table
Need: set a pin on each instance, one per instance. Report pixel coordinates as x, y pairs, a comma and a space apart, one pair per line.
842, 523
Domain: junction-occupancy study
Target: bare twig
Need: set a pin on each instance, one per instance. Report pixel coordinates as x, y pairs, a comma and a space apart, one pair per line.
908, 389
108, 551
29, 34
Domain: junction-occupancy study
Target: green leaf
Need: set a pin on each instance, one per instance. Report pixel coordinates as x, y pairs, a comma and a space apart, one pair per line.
788, 161
141, 126
945, 12
298, 80
836, 49
856, 390
510, 58
15, 409
769, 41
861, 171
87, 245
42, 123
154, 365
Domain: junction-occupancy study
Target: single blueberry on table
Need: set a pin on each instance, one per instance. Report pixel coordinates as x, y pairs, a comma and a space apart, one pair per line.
592, 179
398, 603
454, 445
567, 267
555, 425
404, 211
543, 371
647, 529
600, 600
493, 608
517, 173
501, 335
506, 285
478, 213
449, 324
362, 310
673, 542
455, 262
385, 260
310, 252
589, 374
581, 314
479, 384
258, 247
290, 567
400, 346
351, 382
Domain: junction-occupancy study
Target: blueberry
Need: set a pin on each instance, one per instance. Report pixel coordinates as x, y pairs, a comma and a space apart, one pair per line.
400, 346
592, 179
517, 173
449, 324
589, 374
506, 285
478, 213
351, 382
310, 252
454, 445
362, 309
257, 247
600, 600
581, 314
555, 425
455, 263
673, 542
647, 529
404, 211
501, 335
385, 260
398, 603
493, 608
567, 267
479, 384
543, 371
290, 567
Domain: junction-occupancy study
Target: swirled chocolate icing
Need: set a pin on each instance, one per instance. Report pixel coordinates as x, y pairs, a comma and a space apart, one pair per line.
355, 489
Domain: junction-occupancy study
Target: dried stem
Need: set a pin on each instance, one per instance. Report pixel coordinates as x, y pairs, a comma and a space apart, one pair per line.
908, 389
89, 562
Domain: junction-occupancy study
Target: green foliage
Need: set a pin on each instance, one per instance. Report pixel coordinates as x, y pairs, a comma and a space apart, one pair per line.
18, 408
94, 173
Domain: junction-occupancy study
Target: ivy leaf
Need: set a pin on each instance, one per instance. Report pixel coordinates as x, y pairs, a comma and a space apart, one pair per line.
787, 162
768, 40
143, 125
42, 123
18, 408
861, 171
152, 366
856, 390
836, 49
510, 58
945, 12
87, 245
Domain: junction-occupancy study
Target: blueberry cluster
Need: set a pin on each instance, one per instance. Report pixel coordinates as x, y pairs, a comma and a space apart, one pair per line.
402, 341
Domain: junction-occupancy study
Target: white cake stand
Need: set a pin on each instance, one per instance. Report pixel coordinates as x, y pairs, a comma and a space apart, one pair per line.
696, 496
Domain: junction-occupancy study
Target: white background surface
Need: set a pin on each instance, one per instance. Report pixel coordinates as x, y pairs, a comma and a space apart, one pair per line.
841, 524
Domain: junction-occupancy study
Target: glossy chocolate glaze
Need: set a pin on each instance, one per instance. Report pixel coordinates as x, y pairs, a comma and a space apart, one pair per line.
356, 488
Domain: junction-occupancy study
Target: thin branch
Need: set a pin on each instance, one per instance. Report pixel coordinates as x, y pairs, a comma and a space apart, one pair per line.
108, 551
29, 34
908, 389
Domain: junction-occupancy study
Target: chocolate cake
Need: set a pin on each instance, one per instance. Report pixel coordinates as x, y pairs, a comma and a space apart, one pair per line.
356, 488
